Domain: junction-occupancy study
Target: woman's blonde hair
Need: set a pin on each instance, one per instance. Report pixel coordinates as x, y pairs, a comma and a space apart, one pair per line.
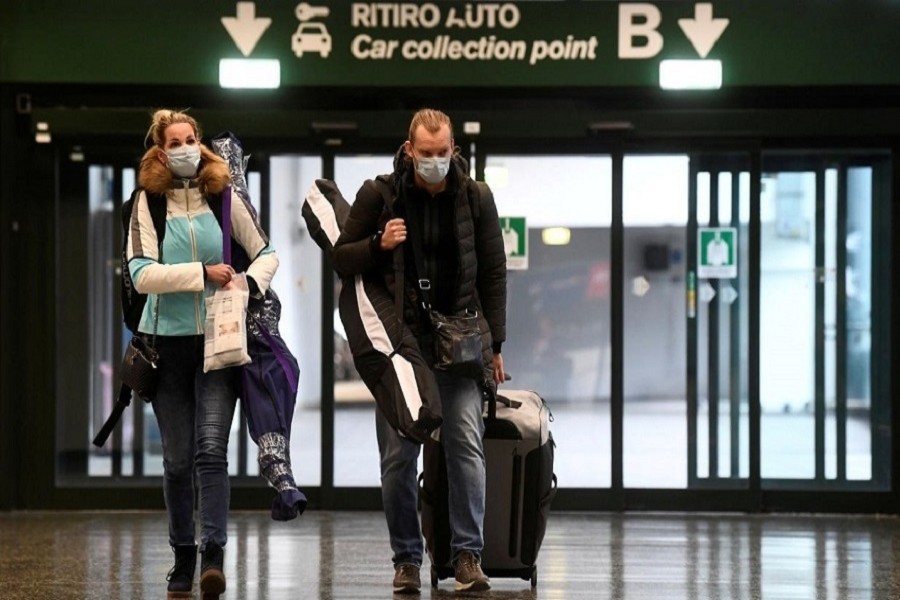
164, 117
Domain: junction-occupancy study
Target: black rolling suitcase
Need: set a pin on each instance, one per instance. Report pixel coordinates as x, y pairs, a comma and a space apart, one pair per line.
518, 449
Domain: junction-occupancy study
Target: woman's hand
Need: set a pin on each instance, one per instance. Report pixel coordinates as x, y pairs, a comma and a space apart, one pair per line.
220, 274
394, 234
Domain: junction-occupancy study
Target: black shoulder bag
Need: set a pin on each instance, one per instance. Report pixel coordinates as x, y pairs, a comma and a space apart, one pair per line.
139, 374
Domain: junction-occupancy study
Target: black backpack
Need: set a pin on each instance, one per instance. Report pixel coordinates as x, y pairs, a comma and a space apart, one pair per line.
132, 301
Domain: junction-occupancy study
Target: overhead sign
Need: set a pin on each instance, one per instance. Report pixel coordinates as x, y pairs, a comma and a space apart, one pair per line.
451, 43
717, 253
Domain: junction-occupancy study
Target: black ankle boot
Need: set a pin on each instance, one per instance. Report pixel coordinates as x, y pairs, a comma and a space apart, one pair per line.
181, 577
212, 578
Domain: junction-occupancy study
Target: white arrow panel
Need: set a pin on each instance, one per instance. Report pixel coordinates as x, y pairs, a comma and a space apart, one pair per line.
707, 292
246, 28
640, 286
703, 30
728, 294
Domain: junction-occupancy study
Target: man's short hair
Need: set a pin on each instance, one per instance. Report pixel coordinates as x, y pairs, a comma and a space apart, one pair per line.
431, 119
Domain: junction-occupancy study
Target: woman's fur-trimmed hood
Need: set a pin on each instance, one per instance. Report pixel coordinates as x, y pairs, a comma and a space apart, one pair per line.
156, 178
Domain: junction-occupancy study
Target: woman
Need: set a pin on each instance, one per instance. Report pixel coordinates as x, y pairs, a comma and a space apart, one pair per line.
194, 409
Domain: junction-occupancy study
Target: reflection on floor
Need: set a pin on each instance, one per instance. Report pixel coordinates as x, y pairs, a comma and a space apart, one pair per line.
330, 555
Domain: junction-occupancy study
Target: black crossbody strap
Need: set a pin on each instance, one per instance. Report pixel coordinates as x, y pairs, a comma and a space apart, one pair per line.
423, 284
399, 269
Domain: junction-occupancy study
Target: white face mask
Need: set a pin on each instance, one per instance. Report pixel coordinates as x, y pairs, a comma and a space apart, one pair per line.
183, 162
433, 170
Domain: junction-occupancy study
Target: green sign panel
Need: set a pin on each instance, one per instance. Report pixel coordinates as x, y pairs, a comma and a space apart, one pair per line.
717, 252
515, 242
449, 43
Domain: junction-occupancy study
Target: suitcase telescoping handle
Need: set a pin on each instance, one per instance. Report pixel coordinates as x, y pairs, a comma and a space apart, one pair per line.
493, 397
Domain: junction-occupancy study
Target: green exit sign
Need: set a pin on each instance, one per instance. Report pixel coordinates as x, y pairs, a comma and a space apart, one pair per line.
515, 242
717, 252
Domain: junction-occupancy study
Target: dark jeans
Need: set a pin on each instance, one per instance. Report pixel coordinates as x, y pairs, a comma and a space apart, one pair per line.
194, 411
461, 436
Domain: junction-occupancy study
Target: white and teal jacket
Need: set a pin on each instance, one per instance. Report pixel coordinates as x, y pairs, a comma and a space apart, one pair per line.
193, 238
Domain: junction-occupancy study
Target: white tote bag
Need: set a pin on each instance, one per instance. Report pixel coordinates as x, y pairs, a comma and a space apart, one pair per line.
225, 340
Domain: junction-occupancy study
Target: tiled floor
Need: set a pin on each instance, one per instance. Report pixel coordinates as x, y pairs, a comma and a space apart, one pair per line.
331, 555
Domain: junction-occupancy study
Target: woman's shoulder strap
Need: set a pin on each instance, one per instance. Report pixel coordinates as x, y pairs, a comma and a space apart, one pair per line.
156, 203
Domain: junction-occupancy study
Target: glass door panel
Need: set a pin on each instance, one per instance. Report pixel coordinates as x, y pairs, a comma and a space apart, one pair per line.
298, 284
718, 314
821, 424
102, 221
655, 217
861, 186
356, 461
558, 338
787, 323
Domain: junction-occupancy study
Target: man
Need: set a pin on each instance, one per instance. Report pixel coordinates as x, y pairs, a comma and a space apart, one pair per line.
463, 258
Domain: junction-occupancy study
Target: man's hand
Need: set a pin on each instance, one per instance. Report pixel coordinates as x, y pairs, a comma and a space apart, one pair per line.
499, 372
394, 234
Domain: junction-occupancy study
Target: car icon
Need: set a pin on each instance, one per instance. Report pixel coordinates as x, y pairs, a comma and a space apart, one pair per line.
311, 37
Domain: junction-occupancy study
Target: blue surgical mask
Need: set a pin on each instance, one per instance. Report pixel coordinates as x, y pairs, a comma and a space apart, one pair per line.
433, 170
183, 161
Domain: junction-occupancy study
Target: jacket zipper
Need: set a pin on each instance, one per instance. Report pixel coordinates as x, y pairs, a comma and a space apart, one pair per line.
187, 205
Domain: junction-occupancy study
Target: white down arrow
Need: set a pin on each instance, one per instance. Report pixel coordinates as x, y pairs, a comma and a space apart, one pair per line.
246, 28
703, 30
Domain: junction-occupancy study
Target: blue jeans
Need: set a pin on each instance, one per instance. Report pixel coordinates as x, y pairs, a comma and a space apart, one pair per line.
194, 411
461, 436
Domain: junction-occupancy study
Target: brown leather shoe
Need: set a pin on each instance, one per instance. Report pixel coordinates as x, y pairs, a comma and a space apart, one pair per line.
469, 576
406, 579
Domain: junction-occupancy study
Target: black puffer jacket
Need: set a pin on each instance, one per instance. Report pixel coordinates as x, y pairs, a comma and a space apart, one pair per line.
480, 262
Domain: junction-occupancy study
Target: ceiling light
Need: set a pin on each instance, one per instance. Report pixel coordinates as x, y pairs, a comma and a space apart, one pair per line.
690, 74
556, 236
250, 73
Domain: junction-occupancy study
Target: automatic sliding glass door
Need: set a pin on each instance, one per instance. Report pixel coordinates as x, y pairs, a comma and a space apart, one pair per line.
687, 260
688, 355
823, 426
717, 294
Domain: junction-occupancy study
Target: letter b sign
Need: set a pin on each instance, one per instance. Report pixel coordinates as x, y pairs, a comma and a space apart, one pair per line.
639, 22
